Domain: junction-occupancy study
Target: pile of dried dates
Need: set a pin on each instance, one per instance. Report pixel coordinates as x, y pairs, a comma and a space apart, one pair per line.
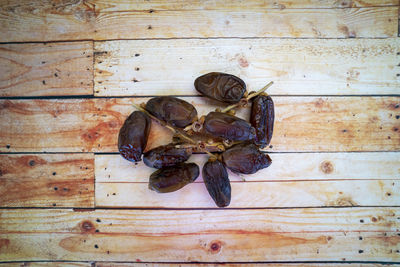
235, 143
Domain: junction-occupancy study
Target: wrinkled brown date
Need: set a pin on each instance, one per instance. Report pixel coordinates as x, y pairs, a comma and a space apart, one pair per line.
221, 86
166, 156
217, 182
245, 158
172, 110
132, 138
170, 179
228, 127
262, 118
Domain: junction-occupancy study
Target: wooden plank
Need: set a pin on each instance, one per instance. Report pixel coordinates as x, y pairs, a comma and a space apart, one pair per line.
48, 69
47, 264
355, 219
255, 194
320, 23
303, 166
40, 20
363, 234
138, 264
38, 180
298, 66
158, 5
301, 124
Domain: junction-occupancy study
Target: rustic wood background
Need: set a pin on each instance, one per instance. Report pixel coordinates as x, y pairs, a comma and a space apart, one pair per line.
70, 69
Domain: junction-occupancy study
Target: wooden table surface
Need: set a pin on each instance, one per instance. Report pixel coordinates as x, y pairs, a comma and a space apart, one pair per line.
70, 69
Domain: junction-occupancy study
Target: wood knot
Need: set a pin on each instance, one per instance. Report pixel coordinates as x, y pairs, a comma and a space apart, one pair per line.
215, 246
319, 103
326, 167
87, 226
243, 62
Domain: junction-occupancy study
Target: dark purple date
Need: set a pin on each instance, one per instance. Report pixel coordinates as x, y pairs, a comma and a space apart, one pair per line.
245, 158
170, 179
221, 86
217, 182
172, 110
166, 156
228, 127
262, 118
132, 138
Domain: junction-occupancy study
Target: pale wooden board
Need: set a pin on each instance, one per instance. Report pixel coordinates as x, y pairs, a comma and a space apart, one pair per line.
138, 264
47, 264
367, 234
126, 5
39, 180
297, 66
285, 166
47, 69
301, 124
147, 222
255, 194
306, 23
40, 20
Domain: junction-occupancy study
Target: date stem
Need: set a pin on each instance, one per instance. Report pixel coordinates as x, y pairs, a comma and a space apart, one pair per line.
250, 96
166, 125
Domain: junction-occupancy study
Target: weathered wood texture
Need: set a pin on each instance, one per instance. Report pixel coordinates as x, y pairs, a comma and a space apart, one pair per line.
48, 69
126, 5
137, 264
255, 194
301, 124
37, 180
298, 66
286, 166
40, 20
364, 234
48, 264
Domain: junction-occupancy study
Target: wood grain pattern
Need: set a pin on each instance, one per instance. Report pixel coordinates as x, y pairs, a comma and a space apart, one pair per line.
126, 5
40, 20
138, 264
303, 166
354, 22
48, 69
201, 235
47, 264
298, 67
255, 194
301, 124
37, 180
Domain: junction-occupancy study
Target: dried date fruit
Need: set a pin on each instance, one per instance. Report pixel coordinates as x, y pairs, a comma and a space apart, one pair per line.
217, 182
166, 156
170, 179
228, 127
221, 86
172, 110
132, 137
262, 118
245, 158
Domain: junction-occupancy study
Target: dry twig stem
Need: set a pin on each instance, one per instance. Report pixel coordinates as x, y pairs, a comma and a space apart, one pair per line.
250, 96
163, 123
